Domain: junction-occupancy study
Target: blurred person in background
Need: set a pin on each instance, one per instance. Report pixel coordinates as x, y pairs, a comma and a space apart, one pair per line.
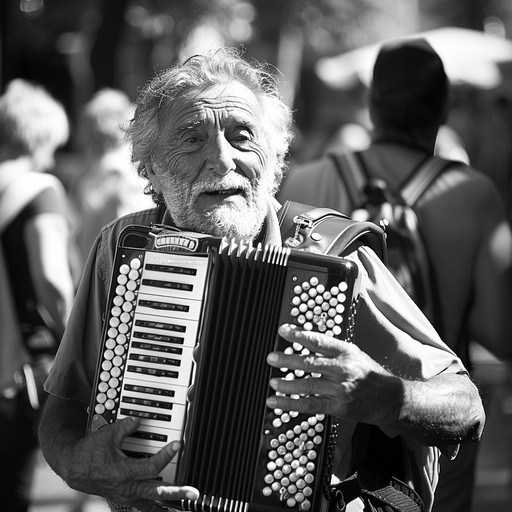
108, 185
461, 216
37, 284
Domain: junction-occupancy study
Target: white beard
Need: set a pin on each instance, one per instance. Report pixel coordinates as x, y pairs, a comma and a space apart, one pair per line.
240, 218
224, 221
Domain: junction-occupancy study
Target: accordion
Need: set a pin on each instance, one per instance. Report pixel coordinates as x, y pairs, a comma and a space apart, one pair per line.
190, 321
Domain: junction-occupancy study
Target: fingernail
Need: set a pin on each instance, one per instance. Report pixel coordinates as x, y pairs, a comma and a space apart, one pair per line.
192, 495
272, 358
283, 329
271, 402
287, 329
176, 445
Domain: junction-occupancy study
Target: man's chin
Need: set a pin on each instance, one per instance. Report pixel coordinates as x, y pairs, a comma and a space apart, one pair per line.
234, 219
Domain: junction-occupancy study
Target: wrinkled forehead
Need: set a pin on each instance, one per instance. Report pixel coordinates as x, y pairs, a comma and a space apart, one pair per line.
218, 104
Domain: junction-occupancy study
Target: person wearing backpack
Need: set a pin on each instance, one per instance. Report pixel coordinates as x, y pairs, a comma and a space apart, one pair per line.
462, 238
37, 286
211, 135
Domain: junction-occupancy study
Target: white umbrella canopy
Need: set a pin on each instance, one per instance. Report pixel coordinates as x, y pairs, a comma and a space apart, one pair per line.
469, 56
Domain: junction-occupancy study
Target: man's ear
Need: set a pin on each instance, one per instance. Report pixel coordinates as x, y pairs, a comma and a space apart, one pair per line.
152, 176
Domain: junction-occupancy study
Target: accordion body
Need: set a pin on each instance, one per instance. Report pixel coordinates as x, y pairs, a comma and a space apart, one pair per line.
190, 321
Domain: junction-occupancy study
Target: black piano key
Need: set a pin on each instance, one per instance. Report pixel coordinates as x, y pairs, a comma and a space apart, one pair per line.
146, 402
155, 348
140, 434
146, 415
150, 390
164, 306
153, 371
171, 269
160, 325
168, 285
154, 359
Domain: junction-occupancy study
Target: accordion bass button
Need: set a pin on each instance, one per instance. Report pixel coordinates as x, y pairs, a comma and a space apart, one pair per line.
116, 371
306, 505
109, 405
135, 263
118, 300
121, 339
133, 275
120, 290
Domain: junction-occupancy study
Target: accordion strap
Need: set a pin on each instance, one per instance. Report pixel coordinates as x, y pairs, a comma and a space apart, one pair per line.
394, 497
327, 231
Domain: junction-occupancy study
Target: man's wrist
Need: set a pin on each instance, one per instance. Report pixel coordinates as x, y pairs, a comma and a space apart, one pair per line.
391, 399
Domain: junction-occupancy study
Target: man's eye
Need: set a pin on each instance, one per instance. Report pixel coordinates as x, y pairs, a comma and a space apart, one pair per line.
242, 136
191, 140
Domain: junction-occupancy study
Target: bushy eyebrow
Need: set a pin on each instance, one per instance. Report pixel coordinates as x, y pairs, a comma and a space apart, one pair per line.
198, 123
190, 125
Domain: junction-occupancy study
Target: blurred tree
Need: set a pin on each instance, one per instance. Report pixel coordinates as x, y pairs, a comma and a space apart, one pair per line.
33, 44
77, 47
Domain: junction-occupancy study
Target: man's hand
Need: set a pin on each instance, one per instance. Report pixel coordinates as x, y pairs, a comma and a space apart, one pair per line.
346, 382
95, 463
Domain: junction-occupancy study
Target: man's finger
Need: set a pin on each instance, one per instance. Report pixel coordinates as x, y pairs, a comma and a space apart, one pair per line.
308, 405
160, 459
125, 427
305, 387
314, 341
310, 364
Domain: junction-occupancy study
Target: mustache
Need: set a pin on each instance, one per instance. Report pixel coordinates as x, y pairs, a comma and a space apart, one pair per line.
208, 184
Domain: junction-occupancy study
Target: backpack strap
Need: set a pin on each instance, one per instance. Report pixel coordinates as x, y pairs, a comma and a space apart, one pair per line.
327, 231
420, 180
352, 173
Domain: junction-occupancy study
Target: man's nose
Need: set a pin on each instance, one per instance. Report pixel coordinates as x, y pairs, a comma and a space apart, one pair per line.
221, 156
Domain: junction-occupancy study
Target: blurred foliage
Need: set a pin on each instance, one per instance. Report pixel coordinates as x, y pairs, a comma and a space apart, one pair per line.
326, 27
167, 28
75, 47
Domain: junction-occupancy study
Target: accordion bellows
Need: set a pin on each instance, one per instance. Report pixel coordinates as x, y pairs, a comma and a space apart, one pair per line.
189, 324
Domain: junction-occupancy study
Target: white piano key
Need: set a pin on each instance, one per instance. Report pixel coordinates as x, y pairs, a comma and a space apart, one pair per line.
155, 372
162, 437
188, 285
177, 331
163, 350
142, 343
171, 307
169, 419
143, 389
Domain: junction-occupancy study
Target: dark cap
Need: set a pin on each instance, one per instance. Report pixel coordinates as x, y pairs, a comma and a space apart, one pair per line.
409, 83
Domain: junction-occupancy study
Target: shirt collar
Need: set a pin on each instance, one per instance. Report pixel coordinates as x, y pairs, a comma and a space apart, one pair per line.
273, 231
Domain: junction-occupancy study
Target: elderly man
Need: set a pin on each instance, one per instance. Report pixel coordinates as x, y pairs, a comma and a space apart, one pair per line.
211, 135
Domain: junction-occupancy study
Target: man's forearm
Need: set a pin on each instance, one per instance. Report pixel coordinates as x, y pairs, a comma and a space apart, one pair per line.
447, 409
62, 424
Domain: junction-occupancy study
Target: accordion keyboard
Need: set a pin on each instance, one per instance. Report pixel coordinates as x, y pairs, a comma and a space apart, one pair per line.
147, 358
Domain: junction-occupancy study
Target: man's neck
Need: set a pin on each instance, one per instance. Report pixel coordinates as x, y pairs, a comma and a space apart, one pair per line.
423, 143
